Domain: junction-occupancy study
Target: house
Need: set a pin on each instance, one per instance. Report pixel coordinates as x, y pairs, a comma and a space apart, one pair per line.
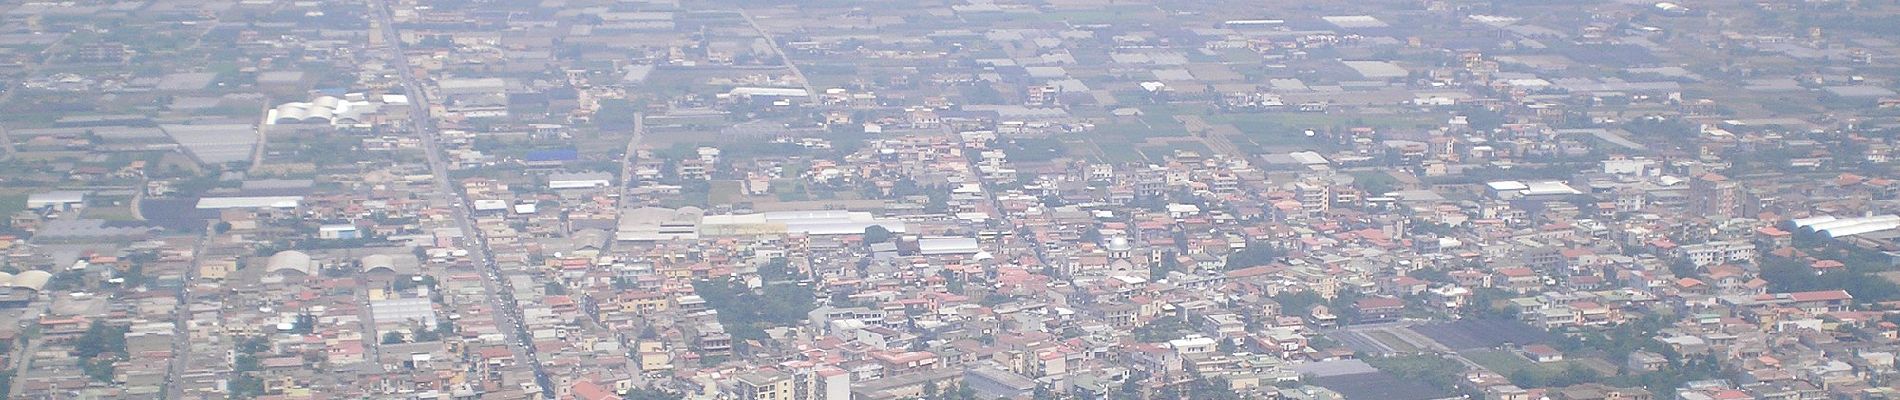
1378, 309
1647, 361
1541, 353
1598, 391
588, 390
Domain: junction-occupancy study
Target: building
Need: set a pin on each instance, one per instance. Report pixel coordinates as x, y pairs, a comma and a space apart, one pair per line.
1717, 252
1714, 196
1541, 353
764, 385
580, 180
1378, 309
58, 200
338, 231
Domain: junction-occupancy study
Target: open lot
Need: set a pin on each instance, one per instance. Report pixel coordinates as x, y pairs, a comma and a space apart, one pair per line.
1478, 334
1379, 386
1393, 341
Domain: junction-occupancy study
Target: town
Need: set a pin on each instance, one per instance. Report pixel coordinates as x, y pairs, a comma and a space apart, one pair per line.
949, 200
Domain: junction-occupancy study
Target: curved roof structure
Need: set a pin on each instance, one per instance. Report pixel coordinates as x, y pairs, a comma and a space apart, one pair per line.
374, 262
324, 110
290, 260
34, 279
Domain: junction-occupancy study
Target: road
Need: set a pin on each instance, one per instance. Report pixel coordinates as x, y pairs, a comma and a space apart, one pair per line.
973, 156
501, 298
181, 324
627, 160
32, 69
787, 59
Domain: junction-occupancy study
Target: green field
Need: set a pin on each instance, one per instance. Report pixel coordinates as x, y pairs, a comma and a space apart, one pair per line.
725, 192
1503, 362
1292, 125
1398, 345
1162, 152
12, 203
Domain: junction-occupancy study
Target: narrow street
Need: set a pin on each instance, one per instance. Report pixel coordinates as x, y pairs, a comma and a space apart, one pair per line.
500, 294
181, 324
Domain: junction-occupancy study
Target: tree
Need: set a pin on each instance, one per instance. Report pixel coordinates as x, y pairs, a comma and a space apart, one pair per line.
1161, 269
952, 282
98, 370
245, 386
1043, 392
445, 327
426, 335
777, 270
245, 363
392, 337
1254, 255
932, 391
101, 340
1092, 235
938, 201
965, 392
745, 313
1298, 302
876, 234
1431, 369
253, 345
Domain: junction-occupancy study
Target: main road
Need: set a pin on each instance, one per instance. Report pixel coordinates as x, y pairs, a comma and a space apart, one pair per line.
181, 323
500, 295
810, 92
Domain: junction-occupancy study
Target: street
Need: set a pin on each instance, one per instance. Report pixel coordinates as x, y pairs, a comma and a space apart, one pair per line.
501, 296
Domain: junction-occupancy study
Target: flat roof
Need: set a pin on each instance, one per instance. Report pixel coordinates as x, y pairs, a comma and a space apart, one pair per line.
214, 203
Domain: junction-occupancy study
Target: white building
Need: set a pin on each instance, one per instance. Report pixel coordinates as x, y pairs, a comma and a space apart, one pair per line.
580, 180
1717, 252
60, 200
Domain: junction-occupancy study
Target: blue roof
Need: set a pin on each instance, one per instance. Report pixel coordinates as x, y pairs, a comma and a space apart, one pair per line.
553, 155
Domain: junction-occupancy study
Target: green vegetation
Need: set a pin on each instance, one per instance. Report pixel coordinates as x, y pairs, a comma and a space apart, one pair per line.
1169, 149
1253, 256
246, 384
982, 94
1437, 371
725, 192
1398, 345
1297, 303
99, 348
876, 234
1032, 149
1860, 278
1524, 373
1375, 183
6, 383
745, 314
1161, 330
616, 115
12, 203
